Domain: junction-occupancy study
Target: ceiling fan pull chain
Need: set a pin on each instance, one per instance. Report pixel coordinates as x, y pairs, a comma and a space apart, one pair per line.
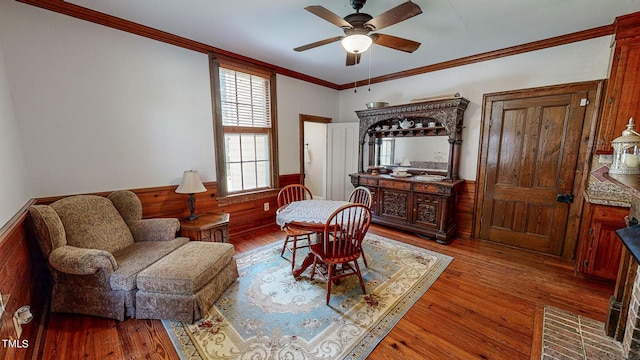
370, 56
355, 72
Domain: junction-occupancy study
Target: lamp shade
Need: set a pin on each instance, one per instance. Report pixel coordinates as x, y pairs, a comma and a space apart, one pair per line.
190, 183
357, 43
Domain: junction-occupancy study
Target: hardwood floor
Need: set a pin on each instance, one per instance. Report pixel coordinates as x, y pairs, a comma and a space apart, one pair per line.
486, 305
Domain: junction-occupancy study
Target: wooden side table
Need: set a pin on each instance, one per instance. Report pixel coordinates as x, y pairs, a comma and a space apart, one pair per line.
208, 227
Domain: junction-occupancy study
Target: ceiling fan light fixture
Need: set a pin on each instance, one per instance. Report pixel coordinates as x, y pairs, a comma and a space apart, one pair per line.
356, 43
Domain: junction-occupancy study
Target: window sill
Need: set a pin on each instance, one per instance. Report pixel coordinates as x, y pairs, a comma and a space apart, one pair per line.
246, 197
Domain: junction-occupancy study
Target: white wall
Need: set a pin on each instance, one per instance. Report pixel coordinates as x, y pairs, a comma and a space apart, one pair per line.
102, 109
297, 97
13, 184
582, 61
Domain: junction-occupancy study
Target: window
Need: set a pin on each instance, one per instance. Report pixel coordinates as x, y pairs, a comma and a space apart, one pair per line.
244, 128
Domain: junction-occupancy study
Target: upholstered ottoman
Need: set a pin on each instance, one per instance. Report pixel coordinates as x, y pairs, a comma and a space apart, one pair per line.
184, 285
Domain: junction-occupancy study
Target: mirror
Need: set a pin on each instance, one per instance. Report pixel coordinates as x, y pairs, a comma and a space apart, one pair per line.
427, 153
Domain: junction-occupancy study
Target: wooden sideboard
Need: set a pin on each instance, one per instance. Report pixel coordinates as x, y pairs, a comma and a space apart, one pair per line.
426, 208
409, 203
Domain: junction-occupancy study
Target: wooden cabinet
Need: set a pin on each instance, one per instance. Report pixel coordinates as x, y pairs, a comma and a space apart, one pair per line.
208, 227
412, 205
600, 247
621, 99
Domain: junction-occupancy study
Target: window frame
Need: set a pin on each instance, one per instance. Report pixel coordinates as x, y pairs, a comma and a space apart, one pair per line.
217, 61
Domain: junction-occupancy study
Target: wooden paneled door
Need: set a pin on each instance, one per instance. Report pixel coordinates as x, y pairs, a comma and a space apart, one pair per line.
535, 149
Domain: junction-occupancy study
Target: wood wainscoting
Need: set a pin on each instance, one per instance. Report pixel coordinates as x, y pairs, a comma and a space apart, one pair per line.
464, 209
24, 279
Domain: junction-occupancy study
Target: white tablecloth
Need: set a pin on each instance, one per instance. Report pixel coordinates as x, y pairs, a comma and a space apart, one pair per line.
310, 211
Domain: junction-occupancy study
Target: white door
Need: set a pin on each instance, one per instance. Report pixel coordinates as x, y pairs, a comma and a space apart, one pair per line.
315, 158
342, 159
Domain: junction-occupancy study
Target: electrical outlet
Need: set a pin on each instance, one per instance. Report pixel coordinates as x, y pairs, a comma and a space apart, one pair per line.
266, 206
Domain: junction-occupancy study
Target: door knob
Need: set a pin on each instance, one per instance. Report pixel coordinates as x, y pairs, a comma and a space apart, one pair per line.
565, 198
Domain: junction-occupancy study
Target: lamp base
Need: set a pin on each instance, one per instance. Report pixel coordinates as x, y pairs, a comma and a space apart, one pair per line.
192, 217
192, 207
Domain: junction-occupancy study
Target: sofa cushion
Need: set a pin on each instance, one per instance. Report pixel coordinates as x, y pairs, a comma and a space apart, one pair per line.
48, 227
135, 258
128, 204
187, 269
92, 222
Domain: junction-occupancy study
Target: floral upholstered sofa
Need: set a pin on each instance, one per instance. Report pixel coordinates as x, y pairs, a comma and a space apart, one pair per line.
97, 247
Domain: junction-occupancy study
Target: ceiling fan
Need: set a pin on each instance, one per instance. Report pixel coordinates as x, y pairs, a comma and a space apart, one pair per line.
357, 27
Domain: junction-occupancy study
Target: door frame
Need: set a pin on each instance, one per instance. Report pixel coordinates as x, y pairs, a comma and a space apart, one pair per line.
309, 118
594, 90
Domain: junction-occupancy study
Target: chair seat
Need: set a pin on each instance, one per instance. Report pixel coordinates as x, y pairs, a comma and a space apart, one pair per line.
296, 232
336, 258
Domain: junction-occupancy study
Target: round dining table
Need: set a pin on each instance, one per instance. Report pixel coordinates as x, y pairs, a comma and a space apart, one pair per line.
307, 215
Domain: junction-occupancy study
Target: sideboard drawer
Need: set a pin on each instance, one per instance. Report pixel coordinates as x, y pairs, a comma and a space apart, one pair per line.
428, 188
392, 184
367, 181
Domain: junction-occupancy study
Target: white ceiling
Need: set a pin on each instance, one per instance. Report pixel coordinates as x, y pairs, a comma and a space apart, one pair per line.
448, 29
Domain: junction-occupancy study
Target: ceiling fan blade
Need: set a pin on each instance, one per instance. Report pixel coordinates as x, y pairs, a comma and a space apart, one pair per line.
328, 15
353, 59
318, 43
395, 42
393, 16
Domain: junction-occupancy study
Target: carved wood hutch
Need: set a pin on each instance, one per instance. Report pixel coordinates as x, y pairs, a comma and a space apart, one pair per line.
411, 203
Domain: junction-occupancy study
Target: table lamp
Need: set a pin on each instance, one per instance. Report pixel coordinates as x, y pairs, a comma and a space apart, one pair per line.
626, 152
191, 184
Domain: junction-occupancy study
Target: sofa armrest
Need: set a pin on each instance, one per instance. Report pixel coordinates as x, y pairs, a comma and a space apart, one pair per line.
80, 261
159, 229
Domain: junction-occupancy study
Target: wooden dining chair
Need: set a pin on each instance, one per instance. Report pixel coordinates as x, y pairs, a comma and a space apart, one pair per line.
362, 195
287, 195
341, 245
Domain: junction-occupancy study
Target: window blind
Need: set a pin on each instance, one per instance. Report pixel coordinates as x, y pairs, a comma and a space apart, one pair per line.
245, 99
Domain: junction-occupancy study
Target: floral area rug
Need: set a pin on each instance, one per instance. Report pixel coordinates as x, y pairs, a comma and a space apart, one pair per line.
267, 314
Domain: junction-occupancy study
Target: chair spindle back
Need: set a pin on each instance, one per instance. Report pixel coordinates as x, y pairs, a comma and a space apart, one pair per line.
361, 195
293, 192
344, 231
